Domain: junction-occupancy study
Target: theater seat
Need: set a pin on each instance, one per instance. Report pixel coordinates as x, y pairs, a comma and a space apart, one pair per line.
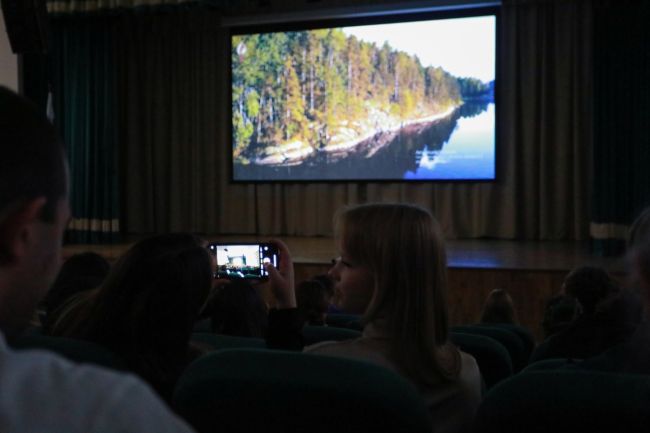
316, 334
508, 339
549, 364
522, 332
80, 351
219, 342
561, 401
340, 320
492, 358
248, 390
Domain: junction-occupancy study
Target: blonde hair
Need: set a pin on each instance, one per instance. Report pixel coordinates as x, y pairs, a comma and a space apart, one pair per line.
403, 248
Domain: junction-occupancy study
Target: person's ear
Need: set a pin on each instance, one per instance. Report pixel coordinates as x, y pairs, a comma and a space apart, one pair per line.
17, 229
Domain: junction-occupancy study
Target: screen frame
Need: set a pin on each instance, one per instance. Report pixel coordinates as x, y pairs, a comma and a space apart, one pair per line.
356, 20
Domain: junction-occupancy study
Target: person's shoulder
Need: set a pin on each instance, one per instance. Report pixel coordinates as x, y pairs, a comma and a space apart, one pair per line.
77, 397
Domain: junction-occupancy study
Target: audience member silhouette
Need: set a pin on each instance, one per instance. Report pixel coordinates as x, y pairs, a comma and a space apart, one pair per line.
561, 310
42, 392
236, 308
313, 299
328, 282
146, 308
80, 272
392, 269
608, 317
632, 356
499, 308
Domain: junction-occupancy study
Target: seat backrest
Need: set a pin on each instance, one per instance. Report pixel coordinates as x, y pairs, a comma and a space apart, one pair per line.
315, 334
248, 390
492, 358
566, 401
340, 320
549, 364
508, 339
522, 332
80, 351
219, 341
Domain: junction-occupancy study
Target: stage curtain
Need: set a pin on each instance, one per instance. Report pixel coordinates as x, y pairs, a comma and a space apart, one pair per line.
171, 65
174, 137
544, 139
60, 7
83, 87
622, 109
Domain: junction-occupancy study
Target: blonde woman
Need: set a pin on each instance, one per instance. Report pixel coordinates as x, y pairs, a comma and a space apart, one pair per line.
392, 269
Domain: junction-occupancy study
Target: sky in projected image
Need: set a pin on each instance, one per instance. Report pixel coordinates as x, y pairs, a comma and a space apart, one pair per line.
463, 46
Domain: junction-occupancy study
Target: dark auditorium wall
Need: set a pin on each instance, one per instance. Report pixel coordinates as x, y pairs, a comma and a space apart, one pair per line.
170, 116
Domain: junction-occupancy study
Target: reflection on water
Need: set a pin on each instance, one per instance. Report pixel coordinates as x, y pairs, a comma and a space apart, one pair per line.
458, 147
469, 154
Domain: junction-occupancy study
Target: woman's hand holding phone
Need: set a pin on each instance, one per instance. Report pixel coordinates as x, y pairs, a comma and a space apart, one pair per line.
282, 279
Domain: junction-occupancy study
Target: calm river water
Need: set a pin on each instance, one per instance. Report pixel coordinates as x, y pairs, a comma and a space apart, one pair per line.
461, 146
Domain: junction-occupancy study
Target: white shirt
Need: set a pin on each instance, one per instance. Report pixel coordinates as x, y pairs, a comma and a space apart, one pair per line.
41, 392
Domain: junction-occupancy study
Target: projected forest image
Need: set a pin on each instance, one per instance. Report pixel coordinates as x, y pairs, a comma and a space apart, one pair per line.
351, 104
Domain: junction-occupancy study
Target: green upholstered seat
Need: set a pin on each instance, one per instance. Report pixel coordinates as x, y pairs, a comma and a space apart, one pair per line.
508, 339
249, 390
522, 332
563, 400
548, 364
340, 320
316, 334
219, 341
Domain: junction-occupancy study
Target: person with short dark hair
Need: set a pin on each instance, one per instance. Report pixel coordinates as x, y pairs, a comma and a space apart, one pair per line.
560, 311
589, 285
41, 392
237, 309
313, 299
633, 355
606, 317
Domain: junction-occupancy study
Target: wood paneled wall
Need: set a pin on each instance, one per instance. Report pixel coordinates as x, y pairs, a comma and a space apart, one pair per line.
468, 289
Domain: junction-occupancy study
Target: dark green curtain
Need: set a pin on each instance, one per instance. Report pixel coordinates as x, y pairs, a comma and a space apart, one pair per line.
171, 86
621, 182
83, 81
170, 71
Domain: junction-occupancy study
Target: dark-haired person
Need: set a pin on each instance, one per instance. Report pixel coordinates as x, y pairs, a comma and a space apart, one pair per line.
80, 272
237, 309
632, 356
499, 308
145, 310
607, 317
313, 298
41, 392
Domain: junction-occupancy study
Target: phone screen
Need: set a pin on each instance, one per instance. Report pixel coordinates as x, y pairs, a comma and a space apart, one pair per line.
243, 260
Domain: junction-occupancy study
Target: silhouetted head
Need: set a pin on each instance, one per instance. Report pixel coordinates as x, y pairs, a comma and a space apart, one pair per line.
237, 309
80, 272
589, 285
34, 208
560, 312
313, 298
499, 308
146, 308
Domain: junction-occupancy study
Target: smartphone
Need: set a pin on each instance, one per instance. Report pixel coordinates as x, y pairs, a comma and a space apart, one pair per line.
243, 260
